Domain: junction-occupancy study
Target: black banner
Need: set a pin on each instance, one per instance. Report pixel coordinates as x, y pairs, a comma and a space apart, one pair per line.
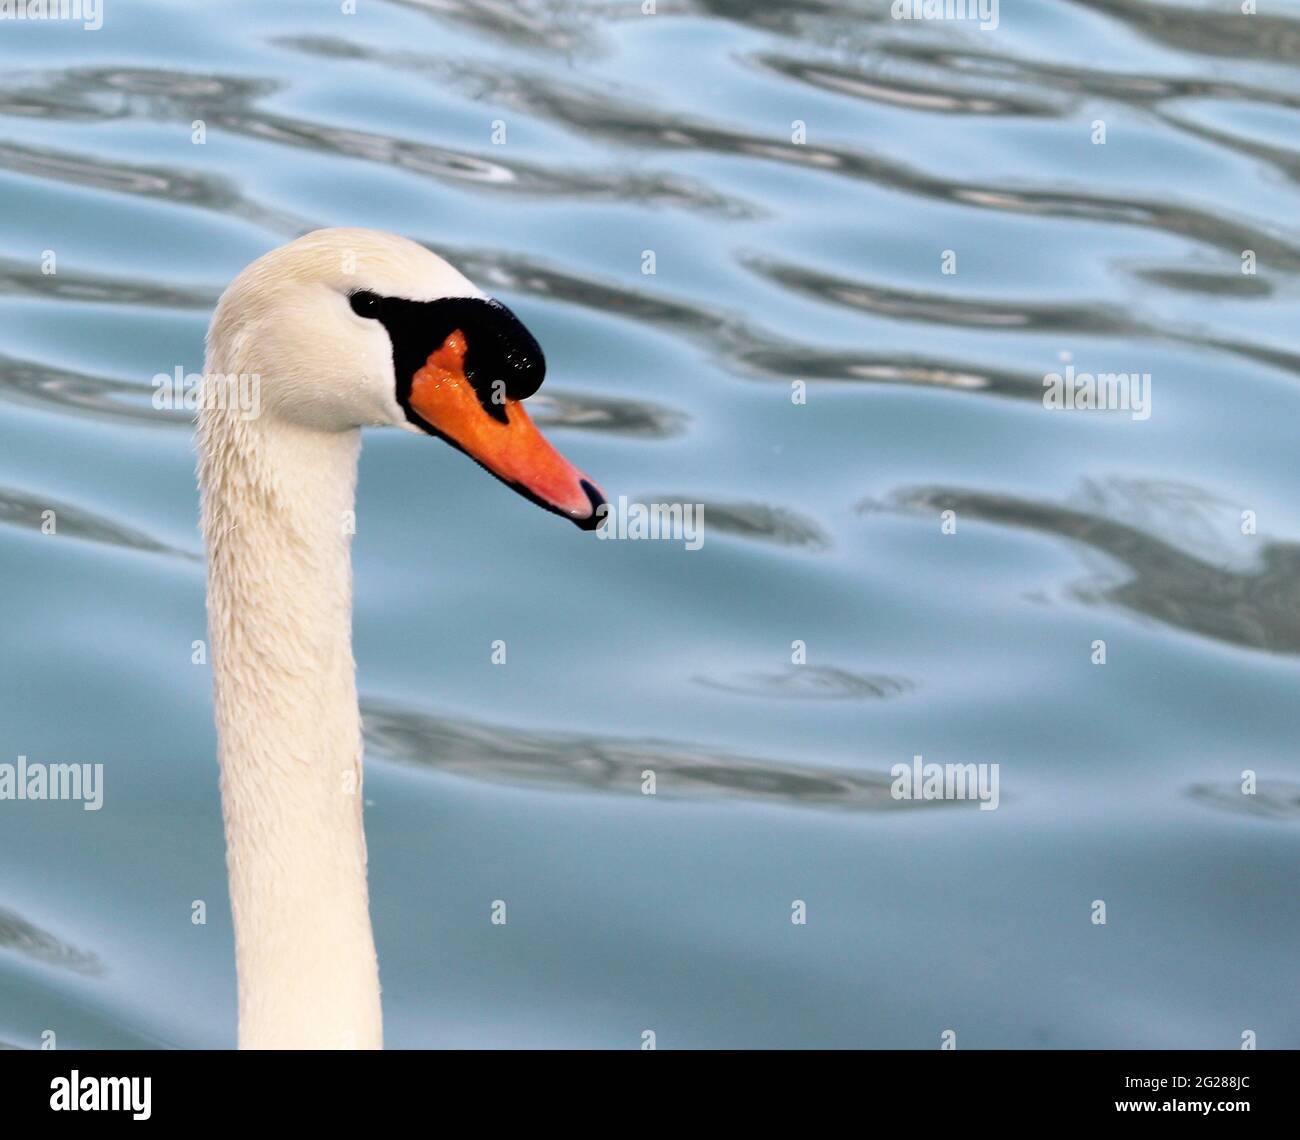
1229, 1089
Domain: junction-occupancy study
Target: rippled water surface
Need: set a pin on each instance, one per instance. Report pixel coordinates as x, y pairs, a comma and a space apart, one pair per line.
776, 261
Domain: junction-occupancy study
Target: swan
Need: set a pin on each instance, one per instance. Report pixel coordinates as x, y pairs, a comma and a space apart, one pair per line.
337, 330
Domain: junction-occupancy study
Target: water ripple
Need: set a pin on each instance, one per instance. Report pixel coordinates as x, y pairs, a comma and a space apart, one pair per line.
23, 279
934, 308
569, 762
607, 415
1255, 608
1205, 31
1073, 317
939, 90
753, 520
1272, 799
628, 122
167, 184
966, 63
25, 938
63, 390
556, 25
28, 510
229, 104
810, 682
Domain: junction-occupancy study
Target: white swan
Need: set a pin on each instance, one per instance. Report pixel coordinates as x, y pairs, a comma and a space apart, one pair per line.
342, 328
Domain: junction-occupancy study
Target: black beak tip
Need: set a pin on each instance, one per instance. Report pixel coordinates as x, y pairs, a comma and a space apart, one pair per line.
597, 516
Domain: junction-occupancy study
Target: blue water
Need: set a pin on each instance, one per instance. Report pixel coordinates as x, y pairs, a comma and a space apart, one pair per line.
776, 261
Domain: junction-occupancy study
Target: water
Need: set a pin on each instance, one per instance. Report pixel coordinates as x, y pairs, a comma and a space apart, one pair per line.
775, 262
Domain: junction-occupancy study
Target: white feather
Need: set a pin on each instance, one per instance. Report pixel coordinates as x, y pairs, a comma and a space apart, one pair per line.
277, 496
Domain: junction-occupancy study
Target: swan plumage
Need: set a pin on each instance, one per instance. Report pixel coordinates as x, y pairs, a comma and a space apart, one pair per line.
338, 330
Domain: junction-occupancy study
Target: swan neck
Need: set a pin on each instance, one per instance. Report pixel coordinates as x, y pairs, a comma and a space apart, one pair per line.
278, 503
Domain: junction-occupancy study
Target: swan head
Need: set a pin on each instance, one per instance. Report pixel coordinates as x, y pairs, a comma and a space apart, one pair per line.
348, 328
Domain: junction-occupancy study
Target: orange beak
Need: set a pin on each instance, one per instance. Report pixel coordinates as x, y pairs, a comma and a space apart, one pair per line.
515, 451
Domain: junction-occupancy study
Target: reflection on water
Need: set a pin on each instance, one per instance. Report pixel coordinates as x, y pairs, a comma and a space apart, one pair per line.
557, 25
1222, 284
147, 181
1096, 319
979, 63
607, 415
26, 279
938, 89
576, 762
1209, 32
42, 512
22, 937
1271, 799
802, 682
65, 391
752, 520
914, 305
1257, 608
229, 104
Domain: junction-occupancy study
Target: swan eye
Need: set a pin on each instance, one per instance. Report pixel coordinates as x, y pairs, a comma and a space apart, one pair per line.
365, 304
